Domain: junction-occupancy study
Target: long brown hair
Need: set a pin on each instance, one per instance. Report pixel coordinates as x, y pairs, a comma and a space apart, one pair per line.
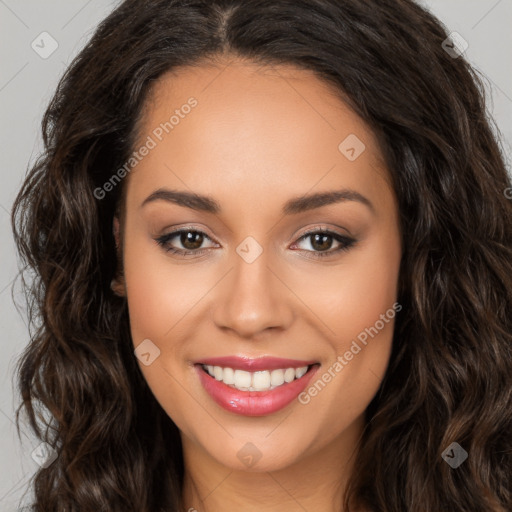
449, 377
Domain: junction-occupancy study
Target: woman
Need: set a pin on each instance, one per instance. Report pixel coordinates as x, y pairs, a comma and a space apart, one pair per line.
273, 256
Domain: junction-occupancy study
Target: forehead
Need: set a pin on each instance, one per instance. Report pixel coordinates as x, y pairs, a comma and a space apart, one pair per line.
261, 129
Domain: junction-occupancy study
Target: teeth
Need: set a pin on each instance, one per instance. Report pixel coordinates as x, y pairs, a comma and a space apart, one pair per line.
261, 380
217, 372
277, 377
242, 379
299, 372
228, 376
289, 374
255, 381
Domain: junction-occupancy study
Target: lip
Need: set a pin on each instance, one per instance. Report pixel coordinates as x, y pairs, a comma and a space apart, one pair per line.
254, 403
254, 364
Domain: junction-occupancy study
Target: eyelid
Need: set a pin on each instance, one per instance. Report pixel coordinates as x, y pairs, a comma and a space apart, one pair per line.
323, 229
197, 229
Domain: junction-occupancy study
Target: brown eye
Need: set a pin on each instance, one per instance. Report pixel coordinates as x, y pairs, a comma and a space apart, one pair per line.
322, 240
190, 239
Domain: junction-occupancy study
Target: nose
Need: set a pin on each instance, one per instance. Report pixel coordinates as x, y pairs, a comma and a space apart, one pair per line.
253, 298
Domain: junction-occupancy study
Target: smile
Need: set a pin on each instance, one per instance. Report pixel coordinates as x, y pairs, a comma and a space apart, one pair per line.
254, 393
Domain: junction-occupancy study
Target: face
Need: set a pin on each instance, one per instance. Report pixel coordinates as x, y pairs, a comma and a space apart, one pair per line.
288, 257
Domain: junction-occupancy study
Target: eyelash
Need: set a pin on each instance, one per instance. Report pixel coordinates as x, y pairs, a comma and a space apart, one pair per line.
346, 242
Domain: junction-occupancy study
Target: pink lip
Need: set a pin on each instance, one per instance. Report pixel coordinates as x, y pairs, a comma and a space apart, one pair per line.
254, 364
254, 403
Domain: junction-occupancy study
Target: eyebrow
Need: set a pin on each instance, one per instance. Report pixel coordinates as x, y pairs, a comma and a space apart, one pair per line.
291, 207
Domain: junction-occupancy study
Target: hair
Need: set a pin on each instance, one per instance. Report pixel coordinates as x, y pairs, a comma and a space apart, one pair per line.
449, 375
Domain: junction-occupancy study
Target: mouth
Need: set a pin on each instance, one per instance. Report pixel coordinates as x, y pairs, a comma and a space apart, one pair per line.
255, 393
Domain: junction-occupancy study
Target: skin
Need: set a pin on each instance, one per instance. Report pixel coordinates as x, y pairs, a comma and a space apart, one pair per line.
258, 137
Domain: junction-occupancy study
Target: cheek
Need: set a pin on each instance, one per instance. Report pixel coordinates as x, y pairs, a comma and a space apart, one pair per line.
160, 294
159, 297
350, 297
355, 300
369, 290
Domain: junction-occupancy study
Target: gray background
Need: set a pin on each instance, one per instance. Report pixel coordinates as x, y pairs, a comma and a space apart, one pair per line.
27, 82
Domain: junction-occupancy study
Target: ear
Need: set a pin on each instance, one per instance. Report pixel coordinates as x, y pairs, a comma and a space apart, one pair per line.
118, 283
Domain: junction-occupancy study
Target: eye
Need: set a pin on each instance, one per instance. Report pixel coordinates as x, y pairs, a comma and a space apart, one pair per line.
320, 240
190, 239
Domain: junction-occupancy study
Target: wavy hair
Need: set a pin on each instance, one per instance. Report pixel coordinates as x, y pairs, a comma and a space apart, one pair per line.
449, 376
